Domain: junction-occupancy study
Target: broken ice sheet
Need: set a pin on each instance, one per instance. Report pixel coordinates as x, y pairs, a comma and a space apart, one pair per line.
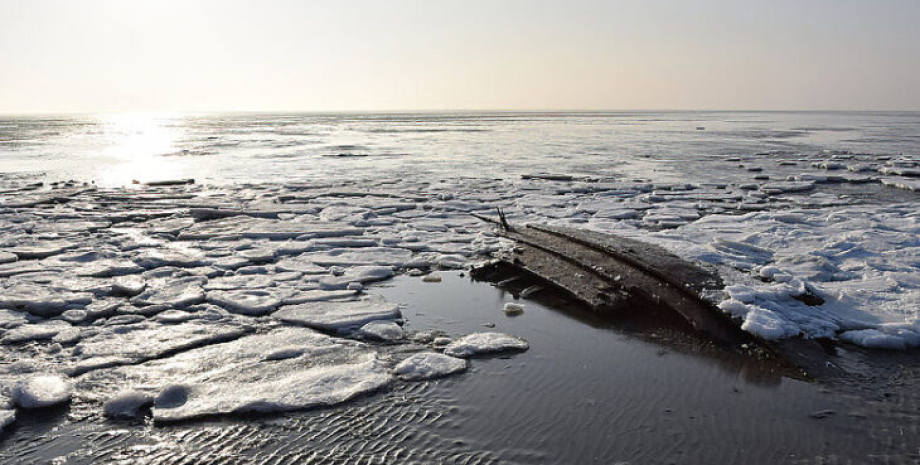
238, 376
339, 316
123, 345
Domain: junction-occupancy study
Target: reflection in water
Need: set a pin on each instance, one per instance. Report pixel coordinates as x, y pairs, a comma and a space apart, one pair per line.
659, 326
137, 143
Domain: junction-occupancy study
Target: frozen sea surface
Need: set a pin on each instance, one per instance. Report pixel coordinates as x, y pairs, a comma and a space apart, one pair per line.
133, 295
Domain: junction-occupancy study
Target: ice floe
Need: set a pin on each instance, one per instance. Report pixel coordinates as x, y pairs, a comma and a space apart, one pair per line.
42, 390
339, 316
485, 343
428, 365
236, 377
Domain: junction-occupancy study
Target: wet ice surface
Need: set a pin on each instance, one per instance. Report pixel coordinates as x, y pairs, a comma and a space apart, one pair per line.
99, 283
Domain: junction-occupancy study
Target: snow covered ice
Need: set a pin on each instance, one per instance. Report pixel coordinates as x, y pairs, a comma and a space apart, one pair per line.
427, 365
485, 344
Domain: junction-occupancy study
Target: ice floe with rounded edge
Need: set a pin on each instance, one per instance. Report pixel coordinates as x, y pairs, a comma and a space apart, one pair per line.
127, 404
428, 365
44, 331
357, 274
130, 286
382, 331
39, 251
20, 267
253, 302
339, 316
165, 257
41, 390
42, 300
485, 343
180, 292
7, 257
235, 377
301, 264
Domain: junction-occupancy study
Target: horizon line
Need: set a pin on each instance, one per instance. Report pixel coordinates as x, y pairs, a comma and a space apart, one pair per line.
447, 111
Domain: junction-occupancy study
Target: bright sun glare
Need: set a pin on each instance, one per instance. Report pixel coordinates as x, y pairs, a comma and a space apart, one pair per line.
138, 141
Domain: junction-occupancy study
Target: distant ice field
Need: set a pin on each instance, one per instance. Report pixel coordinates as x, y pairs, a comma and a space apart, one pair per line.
781, 204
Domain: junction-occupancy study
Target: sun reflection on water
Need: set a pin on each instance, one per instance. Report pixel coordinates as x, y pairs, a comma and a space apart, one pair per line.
139, 144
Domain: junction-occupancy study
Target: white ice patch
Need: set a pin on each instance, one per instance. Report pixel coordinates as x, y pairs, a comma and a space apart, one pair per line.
861, 261
138, 343
381, 331
43, 390
253, 302
485, 343
236, 377
339, 316
427, 365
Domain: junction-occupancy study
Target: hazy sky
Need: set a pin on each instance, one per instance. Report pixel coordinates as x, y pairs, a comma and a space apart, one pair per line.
287, 55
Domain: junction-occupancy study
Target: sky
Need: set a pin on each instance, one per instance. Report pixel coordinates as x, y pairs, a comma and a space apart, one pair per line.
83, 56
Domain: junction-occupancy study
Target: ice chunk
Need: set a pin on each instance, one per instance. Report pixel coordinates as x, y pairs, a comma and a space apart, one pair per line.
874, 339
357, 274
427, 365
159, 258
43, 390
42, 300
432, 278
44, 331
20, 267
247, 302
128, 285
300, 297
174, 316
339, 316
513, 309
301, 264
127, 404
381, 331
235, 377
39, 251
6, 418
485, 343
139, 343
7, 257
180, 292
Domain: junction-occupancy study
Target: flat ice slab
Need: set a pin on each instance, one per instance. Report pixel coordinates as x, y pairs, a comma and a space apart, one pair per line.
485, 343
427, 365
341, 316
237, 377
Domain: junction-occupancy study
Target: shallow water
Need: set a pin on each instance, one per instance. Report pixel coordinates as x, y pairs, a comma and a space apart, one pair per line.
589, 390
